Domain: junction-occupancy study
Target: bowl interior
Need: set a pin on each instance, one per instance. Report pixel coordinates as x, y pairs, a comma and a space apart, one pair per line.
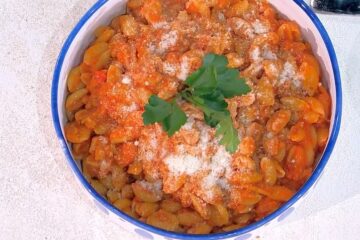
102, 13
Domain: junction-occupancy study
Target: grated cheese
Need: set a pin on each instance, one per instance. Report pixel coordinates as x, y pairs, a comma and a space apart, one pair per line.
130, 108
104, 166
183, 164
268, 54
149, 155
154, 187
151, 47
103, 140
189, 123
245, 26
153, 143
169, 68
220, 163
256, 68
250, 33
273, 69
126, 80
239, 23
255, 54
258, 54
217, 166
259, 27
249, 14
160, 25
223, 183
168, 40
149, 150
297, 80
184, 69
289, 74
221, 16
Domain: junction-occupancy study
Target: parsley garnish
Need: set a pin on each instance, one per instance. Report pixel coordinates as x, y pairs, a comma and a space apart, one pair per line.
207, 89
168, 114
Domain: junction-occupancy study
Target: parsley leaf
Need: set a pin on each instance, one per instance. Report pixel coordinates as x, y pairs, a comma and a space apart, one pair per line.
156, 110
203, 81
175, 120
210, 120
226, 129
220, 62
168, 114
215, 101
225, 79
207, 89
230, 84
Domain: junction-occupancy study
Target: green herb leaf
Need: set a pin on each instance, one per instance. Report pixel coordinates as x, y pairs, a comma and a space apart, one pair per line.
229, 134
203, 81
175, 120
220, 62
169, 115
215, 101
208, 87
210, 120
230, 84
156, 110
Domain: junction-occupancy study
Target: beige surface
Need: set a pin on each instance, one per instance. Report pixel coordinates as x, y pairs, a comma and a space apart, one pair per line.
39, 197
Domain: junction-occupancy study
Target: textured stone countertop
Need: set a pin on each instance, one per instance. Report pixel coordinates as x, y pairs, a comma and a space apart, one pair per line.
39, 197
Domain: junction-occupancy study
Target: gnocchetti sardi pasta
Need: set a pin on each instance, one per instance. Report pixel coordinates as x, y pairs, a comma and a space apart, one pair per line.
189, 182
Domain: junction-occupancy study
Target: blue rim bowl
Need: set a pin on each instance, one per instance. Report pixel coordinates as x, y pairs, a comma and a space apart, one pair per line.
239, 232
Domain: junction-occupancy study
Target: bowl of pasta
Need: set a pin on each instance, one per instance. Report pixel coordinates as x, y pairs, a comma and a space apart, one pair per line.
192, 119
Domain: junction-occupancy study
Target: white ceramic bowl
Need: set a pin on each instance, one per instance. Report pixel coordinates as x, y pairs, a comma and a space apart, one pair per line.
102, 13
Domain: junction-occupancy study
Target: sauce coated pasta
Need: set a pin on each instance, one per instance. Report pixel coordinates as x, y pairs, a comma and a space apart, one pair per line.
188, 182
